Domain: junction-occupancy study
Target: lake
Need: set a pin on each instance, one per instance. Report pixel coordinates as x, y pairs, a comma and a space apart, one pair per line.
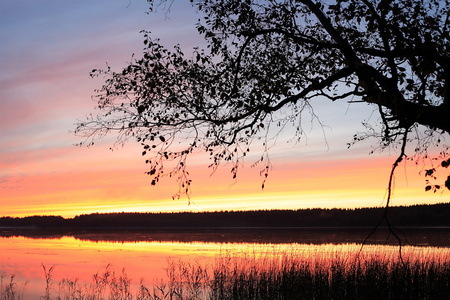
144, 254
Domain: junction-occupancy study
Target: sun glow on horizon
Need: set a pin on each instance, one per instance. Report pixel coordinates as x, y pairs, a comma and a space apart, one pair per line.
342, 183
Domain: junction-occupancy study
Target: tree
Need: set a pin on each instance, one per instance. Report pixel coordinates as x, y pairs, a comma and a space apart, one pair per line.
264, 65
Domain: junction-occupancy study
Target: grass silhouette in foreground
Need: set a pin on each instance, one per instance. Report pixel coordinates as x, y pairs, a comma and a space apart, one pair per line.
333, 274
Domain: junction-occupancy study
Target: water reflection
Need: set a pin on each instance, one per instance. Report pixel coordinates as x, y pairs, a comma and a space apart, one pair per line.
439, 237
144, 254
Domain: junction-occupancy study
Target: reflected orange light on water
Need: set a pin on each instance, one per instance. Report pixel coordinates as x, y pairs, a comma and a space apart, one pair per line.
77, 259
84, 258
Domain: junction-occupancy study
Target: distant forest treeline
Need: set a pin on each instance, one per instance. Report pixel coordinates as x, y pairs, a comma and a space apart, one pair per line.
401, 216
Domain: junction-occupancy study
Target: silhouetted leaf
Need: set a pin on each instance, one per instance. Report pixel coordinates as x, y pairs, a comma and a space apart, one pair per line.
429, 172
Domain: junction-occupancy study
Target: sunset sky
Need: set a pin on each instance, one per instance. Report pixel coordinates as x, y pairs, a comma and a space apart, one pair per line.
47, 50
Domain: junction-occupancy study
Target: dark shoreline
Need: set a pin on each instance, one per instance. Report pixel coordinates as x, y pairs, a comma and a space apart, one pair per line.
436, 215
421, 224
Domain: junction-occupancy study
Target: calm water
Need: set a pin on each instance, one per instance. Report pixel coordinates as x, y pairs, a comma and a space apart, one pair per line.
144, 254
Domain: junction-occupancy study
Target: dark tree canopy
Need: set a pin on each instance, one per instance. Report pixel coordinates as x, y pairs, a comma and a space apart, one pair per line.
265, 63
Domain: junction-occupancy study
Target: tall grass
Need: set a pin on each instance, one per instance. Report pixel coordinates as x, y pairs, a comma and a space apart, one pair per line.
8, 288
333, 275
322, 272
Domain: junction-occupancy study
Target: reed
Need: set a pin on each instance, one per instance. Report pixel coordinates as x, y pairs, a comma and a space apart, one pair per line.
9, 289
333, 275
332, 272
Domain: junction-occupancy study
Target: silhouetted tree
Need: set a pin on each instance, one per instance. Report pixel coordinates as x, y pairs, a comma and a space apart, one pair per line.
264, 65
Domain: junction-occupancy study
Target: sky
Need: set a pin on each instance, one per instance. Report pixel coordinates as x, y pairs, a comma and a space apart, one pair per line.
48, 48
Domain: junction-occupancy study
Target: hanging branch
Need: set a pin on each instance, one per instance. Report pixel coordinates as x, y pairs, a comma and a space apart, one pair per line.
384, 217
